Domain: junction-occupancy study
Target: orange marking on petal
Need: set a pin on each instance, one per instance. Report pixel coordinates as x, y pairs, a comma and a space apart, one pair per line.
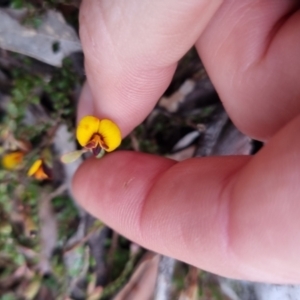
103, 145
39, 170
40, 174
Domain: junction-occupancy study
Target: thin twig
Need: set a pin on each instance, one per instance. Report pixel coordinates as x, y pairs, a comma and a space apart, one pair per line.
134, 142
84, 239
111, 252
58, 191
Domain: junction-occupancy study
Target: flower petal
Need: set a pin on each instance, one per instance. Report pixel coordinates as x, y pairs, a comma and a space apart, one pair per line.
34, 168
11, 160
42, 173
86, 128
110, 133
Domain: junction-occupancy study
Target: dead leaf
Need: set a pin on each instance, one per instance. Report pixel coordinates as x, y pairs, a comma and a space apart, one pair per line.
232, 142
96, 293
186, 140
171, 103
221, 137
142, 282
183, 154
51, 42
32, 288
213, 130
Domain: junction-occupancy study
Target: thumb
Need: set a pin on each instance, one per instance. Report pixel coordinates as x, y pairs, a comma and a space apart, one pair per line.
131, 51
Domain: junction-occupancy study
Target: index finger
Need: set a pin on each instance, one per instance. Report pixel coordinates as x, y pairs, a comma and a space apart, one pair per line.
250, 49
131, 51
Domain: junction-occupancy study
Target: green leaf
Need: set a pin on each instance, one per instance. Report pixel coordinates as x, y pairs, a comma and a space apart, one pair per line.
71, 156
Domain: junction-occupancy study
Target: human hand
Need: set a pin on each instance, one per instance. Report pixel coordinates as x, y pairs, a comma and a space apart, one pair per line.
234, 216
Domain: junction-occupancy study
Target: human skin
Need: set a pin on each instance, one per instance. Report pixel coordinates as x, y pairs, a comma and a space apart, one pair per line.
235, 216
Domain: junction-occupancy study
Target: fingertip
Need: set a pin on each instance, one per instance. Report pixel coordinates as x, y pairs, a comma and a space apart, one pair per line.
130, 60
86, 103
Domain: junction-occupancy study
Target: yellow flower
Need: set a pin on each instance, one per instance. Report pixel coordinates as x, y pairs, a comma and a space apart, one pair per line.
39, 170
96, 134
12, 160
